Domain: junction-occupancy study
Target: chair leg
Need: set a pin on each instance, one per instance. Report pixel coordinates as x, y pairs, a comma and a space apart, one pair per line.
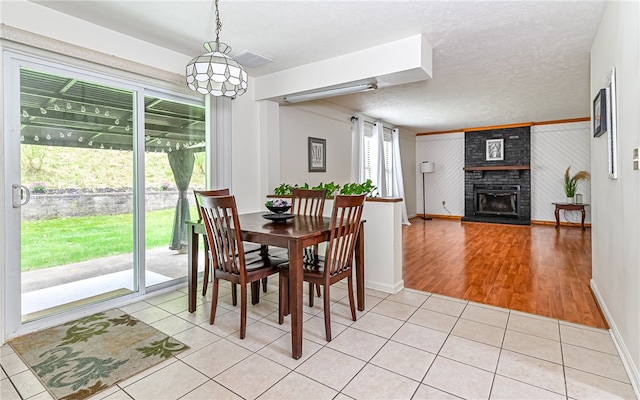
234, 294
243, 311
315, 252
310, 294
264, 251
206, 271
255, 292
283, 300
327, 313
351, 302
214, 300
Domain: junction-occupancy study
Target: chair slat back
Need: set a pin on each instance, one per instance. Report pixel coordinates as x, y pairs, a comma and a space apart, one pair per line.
345, 227
214, 192
308, 202
220, 215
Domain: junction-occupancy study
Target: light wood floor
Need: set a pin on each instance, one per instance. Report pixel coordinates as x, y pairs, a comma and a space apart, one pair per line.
535, 269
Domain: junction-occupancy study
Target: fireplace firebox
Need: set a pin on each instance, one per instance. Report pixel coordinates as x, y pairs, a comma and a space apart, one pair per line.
500, 201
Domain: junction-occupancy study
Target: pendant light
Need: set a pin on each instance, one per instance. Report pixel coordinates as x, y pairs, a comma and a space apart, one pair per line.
215, 73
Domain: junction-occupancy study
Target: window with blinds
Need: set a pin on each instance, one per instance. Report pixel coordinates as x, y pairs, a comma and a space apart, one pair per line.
369, 159
388, 164
368, 149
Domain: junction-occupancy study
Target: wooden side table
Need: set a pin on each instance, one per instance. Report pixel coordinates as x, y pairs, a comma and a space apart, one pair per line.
569, 206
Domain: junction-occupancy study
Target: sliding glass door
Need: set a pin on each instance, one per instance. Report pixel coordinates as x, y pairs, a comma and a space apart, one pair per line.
175, 165
101, 174
76, 160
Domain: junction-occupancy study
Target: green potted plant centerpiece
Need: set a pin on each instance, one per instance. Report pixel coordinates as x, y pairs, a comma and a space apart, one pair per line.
571, 183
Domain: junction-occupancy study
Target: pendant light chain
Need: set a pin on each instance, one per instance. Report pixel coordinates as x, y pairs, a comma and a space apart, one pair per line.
218, 24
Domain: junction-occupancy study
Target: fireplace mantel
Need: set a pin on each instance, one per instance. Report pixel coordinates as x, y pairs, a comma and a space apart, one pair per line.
498, 168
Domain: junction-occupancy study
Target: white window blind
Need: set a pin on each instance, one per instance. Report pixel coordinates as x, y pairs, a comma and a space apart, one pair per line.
368, 152
388, 163
370, 156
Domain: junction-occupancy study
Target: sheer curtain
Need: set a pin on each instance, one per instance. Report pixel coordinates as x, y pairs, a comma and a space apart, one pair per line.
368, 159
357, 149
398, 181
377, 169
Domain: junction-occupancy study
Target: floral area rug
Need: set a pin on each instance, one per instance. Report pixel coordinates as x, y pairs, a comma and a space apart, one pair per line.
83, 357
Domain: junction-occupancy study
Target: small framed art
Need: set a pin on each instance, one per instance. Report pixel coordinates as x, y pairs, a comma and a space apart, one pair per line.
495, 149
600, 113
612, 124
317, 155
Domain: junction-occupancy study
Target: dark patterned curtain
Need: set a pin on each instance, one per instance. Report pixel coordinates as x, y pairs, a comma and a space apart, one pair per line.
181, 162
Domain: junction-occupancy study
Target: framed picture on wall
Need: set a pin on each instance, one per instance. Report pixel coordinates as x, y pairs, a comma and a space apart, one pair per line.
317, 155
600, 113
612, 123
495, 149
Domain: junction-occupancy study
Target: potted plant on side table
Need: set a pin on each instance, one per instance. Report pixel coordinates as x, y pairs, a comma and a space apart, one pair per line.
571, 183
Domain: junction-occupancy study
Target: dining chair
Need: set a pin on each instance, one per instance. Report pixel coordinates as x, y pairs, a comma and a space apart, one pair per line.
337, 263
309, 202
207, 266
226, 250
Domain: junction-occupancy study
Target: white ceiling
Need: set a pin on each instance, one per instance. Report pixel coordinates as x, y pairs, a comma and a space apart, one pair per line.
494, 62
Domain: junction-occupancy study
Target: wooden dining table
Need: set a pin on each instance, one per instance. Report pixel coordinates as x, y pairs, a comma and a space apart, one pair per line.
294, 234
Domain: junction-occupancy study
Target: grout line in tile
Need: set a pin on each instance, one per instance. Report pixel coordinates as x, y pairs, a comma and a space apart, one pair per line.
437, 354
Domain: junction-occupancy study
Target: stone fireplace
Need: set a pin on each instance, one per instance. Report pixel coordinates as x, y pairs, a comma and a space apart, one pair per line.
498, 190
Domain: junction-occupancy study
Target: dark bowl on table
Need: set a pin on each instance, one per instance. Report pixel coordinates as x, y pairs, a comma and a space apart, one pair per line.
278, 209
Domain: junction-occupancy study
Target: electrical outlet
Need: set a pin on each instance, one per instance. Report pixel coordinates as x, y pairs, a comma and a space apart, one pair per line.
443, 203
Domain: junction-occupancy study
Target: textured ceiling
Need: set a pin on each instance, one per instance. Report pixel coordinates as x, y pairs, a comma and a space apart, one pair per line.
494, 62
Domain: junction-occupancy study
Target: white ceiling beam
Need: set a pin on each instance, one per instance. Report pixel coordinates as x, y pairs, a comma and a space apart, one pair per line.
395, 63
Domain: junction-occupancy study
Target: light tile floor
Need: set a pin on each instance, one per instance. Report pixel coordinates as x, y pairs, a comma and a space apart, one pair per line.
412, 345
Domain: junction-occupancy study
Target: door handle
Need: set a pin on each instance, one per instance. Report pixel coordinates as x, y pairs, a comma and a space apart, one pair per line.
20, 195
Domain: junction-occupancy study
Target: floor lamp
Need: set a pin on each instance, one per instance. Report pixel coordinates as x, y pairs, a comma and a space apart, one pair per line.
426, 167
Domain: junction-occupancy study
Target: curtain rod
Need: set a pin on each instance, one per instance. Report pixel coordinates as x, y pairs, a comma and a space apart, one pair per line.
354, 118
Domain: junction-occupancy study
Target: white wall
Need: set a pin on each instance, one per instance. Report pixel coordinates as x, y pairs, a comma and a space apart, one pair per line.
554, 147
408, 155
616, 203
248, 153
297, 124
446, 183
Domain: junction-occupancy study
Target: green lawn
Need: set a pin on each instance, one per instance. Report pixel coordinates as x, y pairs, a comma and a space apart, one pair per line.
54, 242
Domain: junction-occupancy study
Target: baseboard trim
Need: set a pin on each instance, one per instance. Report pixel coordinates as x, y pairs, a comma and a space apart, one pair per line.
384, 287
625, 356
533, 222
553, 223
441, 216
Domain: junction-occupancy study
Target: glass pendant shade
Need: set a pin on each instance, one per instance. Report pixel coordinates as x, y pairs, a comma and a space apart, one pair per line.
217, 74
